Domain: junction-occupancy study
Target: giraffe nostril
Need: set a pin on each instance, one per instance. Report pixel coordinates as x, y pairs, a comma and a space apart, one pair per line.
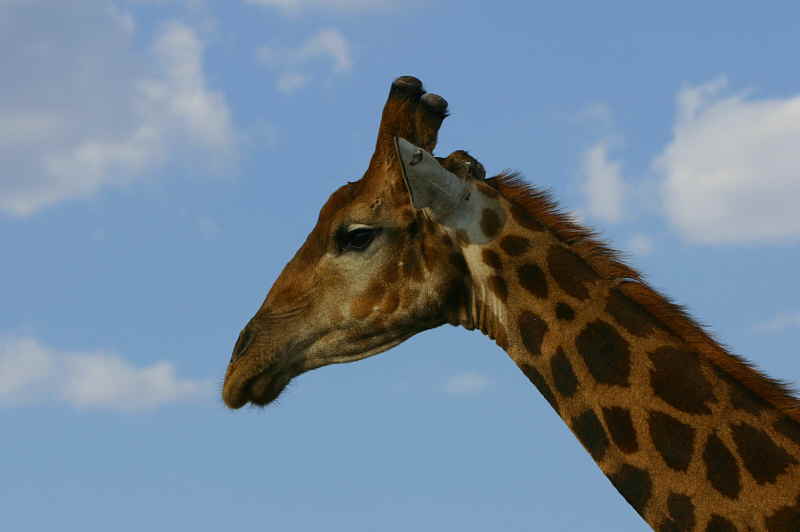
244, 341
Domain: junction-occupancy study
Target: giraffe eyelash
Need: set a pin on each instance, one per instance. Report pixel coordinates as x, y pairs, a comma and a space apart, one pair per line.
355, 237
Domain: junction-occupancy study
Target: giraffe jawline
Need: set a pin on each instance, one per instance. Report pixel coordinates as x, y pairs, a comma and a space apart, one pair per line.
260, 390
266, 385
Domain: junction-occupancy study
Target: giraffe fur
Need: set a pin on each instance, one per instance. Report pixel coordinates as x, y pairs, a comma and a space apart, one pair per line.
692, 436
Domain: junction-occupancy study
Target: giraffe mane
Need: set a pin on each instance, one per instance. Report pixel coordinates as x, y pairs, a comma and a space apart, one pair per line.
608, 264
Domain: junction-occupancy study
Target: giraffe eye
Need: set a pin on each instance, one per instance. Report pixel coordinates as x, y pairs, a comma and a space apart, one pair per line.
357, 239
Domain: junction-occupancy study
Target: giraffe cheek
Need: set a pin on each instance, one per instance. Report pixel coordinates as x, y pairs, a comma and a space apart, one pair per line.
367, 302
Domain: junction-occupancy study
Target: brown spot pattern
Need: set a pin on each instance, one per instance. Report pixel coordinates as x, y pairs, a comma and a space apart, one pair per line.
532, 279
635, 485
743, 399
681, 512
620, 425
762, 458
457, 260
670, 526
785, 519
564, 312
605, 352
532, 328
492, 259
720, 524
590, 432
391, 272
721, 468
570, 271
498, 286
490, 222
541, 384
789, 428
515, 245
523, 218
455, 295
673, 439
628, 314
679, 381
500, 337
563, 376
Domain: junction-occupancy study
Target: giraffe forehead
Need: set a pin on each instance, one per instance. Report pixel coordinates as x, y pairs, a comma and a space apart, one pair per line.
354, 204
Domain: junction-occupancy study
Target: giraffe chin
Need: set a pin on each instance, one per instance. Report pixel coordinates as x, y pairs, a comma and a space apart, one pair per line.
259, 390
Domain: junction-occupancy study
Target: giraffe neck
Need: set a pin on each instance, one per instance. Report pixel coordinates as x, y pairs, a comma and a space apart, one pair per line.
686, 444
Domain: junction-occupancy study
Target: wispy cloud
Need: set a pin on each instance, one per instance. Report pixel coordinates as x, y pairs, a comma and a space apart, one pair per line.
780, 322
467, 383
117, 114
596, 115
640, 244
31, 372
289, 82
328, 45
730, 173
603, 185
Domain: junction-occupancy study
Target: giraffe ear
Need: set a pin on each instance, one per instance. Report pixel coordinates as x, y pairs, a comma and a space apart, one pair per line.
429, 184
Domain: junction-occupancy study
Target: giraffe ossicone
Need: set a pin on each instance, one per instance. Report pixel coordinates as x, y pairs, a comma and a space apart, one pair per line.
691, 436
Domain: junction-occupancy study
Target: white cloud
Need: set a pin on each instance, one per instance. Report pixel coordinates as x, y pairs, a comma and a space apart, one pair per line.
783, 321
122, 18
468, 383
603, 185
181, 88
640, 244
23, 363
86, 109
294, 6
595, 114
732, 170
289, 82
328, 42
31, 372
329, 45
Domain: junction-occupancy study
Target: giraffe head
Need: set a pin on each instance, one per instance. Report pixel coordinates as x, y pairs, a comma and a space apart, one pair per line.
381, 264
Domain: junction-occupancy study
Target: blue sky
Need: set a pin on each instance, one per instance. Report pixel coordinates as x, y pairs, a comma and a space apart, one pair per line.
162, 160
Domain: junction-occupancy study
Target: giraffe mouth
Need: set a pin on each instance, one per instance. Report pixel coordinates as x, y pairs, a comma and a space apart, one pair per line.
258, 375
264, 388
247, 381
259, 390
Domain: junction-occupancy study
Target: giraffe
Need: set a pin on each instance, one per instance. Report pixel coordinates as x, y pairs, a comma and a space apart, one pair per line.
692, 436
